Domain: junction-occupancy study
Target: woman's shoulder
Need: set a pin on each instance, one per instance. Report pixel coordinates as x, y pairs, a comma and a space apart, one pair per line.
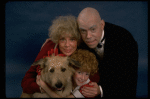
45, 48
48, 43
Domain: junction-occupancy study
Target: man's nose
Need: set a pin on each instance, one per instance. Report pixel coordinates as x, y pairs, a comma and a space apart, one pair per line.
88, 34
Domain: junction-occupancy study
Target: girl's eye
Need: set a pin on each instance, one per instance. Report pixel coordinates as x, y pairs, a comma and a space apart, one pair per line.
87, 74
79, 72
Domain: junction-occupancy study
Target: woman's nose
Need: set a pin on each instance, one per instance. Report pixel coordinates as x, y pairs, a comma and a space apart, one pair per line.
67, 43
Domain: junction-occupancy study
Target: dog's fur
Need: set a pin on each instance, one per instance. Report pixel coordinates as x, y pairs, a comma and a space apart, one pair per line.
57, 72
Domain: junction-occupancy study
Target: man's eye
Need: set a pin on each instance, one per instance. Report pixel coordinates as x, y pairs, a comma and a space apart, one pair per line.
93, 29
83, 31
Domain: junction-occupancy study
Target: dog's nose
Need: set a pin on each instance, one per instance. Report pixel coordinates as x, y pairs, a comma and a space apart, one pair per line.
58, 84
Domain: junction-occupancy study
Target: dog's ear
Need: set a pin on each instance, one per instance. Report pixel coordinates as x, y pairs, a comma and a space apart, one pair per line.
40, 62
73, 62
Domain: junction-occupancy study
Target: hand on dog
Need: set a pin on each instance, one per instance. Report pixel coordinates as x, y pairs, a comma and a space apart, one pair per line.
40, 83
91, 91
38, 80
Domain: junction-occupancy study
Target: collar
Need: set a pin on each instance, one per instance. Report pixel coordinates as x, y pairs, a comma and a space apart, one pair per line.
86, 81
102, 37
78, 87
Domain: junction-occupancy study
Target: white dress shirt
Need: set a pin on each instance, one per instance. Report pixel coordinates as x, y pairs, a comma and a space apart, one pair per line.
77, 93
100, 51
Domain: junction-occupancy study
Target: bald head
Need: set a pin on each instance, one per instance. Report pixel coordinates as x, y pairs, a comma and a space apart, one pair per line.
88, 13
90, 26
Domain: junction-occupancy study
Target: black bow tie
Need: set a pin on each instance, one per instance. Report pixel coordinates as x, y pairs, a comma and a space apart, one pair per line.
100, 44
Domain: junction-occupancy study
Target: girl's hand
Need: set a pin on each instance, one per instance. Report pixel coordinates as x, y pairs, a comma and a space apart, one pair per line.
91, 91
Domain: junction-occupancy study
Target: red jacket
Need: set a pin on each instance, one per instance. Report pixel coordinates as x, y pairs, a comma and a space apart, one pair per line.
29, 84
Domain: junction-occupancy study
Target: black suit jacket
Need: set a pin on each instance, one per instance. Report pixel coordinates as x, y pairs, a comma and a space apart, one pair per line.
118, 68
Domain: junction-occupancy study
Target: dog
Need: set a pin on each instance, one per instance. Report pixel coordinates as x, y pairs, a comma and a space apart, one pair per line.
57, 73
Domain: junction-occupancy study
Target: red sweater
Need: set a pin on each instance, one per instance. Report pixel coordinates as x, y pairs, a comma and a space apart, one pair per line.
29, 84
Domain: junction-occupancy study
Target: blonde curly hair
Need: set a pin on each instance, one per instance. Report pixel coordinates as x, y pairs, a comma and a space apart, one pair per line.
87, 60
62, 25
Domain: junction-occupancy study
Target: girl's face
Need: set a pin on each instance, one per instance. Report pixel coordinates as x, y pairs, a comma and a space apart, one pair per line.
67, 44
80, 77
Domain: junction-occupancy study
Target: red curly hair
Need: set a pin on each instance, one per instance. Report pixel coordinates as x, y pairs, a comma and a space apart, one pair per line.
87, 60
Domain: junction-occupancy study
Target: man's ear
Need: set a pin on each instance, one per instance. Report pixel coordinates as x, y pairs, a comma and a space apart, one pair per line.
73, 63
40, 62
102, 24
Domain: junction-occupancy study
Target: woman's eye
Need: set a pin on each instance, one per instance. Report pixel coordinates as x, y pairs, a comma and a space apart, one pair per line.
62, 39
72, 39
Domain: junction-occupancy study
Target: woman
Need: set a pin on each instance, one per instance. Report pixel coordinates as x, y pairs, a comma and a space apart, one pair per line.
65, 37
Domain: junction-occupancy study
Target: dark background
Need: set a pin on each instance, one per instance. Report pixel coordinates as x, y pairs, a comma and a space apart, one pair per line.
26, 29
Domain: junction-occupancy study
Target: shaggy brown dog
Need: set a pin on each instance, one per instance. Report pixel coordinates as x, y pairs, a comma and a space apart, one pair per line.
57, 72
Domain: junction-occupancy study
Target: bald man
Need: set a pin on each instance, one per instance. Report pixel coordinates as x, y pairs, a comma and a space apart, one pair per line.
117, 53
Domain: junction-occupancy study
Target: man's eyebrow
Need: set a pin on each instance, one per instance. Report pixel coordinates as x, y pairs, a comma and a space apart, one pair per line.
92, 26
89, 28
81, 28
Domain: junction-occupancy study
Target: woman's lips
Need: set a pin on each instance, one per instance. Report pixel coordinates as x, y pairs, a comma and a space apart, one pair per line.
67, 50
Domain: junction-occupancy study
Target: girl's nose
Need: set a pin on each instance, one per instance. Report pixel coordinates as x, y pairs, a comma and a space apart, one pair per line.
82, 77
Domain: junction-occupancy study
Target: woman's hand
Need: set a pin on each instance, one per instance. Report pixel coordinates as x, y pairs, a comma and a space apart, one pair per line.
45, 88
91, 91
40, 83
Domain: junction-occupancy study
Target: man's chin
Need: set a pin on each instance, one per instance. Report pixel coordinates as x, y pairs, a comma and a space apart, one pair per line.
92, 46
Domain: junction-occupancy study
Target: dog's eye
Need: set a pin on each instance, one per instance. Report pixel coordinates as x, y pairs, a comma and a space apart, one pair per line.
63, 69
52, 70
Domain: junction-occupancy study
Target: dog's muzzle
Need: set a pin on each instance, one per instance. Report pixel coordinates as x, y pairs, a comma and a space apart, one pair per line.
59, 86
